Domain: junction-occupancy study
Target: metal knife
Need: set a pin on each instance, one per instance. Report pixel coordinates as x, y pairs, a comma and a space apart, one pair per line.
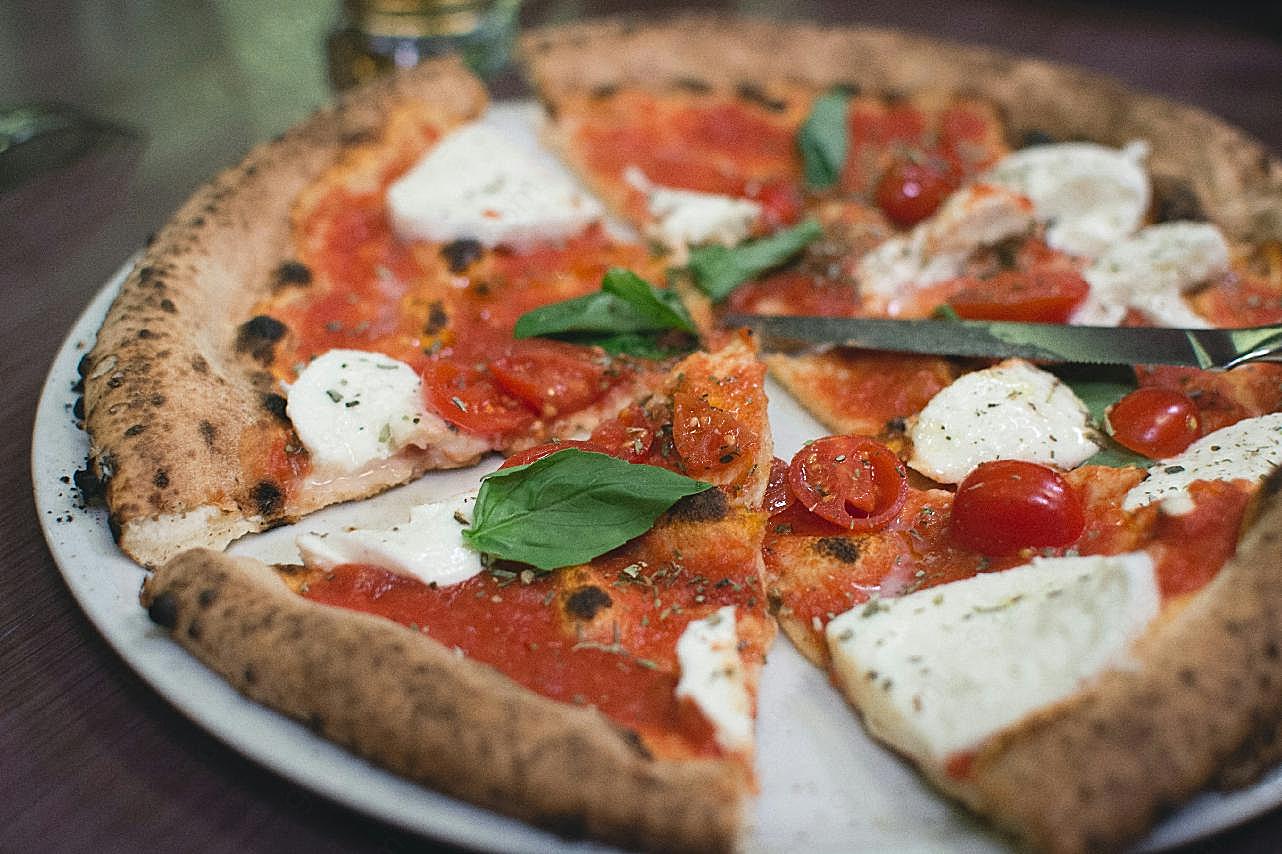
1219, 349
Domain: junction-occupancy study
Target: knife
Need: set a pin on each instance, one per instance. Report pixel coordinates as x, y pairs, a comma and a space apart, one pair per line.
1218, 349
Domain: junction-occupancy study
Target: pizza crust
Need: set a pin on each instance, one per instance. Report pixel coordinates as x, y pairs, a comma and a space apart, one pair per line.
402, 700
168, 396
1237, 181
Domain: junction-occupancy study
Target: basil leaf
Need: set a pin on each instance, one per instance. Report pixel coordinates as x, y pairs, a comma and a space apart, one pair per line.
718, 270
662, 307
1099, 388
570, 507
647, 345
824, 139
945, 312
1115, 456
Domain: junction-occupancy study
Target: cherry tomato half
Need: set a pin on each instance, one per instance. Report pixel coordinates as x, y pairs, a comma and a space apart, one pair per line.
851, 481
551, 377
777, 497
468, 398
1153, 421
1008, 505
629, 436
1036, 296
538, 452
911, 190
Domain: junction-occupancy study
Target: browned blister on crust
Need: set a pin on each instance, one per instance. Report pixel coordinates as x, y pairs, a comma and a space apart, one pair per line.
402, 700
174, 384
1234, 178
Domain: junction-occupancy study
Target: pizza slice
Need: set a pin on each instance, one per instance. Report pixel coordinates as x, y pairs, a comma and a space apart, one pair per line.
612, 697
336, 315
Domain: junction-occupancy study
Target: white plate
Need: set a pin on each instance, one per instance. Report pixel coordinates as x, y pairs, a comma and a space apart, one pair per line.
824, 784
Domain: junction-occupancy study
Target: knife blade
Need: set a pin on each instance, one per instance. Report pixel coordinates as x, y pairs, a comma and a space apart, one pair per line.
1044, 342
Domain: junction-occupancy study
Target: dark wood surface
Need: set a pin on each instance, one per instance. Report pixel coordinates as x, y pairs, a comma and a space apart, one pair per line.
90, 758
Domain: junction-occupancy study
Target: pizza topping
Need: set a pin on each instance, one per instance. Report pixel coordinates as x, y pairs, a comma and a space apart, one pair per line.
469, 398
477, 184
1005, 506
824, 139
569, 507
1031, 296
1153, 421
912, 189
1012, 411
937, 249
713, 678
1151, 271
351, 408
718, 270
551, 377
685, 218
628, 315
429, 547
851, 481
1247, 450
938, 671
1089, 195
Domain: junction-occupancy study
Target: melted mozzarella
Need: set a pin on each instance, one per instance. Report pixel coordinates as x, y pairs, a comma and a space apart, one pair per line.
937, 249
351, 408
1011, 411
712, 677
1151, 271
685, 218
429, 547
1088, 195
475, 183
938, 671
1247, 450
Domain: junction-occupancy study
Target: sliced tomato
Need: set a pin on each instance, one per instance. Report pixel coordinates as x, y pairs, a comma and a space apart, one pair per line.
706, 438
1036, 296
910, 190
781, 203
468, 398
778, 497
551, 377
1156, 422
538, 452
852, 481
629, 436
1008, 505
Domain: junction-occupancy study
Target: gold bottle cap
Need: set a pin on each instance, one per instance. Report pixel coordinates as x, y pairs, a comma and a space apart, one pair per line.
416, 18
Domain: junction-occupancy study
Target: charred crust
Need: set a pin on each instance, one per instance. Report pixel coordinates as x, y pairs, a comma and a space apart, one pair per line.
114, 526
437, 319
163, 610
258, 336
135, 430
586, 602
291, 274
276, 404
462, 253
146, 334
267, 497
754, 94
161, 479
633, 739
207, 597
896, 426
199, 365
82, 367
605, 90
167, 306
692, 84
710, 505
208, 432
78, 408
838, 548
92, 487
1175, 199
1032, 137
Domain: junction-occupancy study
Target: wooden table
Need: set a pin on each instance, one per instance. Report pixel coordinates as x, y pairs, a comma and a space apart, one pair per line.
90, 758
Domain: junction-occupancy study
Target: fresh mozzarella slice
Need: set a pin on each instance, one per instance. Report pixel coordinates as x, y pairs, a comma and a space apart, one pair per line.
937, 249
685, 218
1151, 271
1247, 450
429, 547
712, 677
351, 408
475, 183
1089, 196
1012, 411
940, 670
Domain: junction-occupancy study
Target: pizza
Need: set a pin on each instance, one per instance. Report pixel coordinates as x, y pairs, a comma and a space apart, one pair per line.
1050, 588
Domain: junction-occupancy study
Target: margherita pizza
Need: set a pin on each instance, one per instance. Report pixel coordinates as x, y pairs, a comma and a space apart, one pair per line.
1053, 589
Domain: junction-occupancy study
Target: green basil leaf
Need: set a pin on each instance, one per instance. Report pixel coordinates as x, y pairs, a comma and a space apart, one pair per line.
824, 139
1115, 456
945, 312
1099, 387
628, 315
718, 270
647, 345
570, 507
